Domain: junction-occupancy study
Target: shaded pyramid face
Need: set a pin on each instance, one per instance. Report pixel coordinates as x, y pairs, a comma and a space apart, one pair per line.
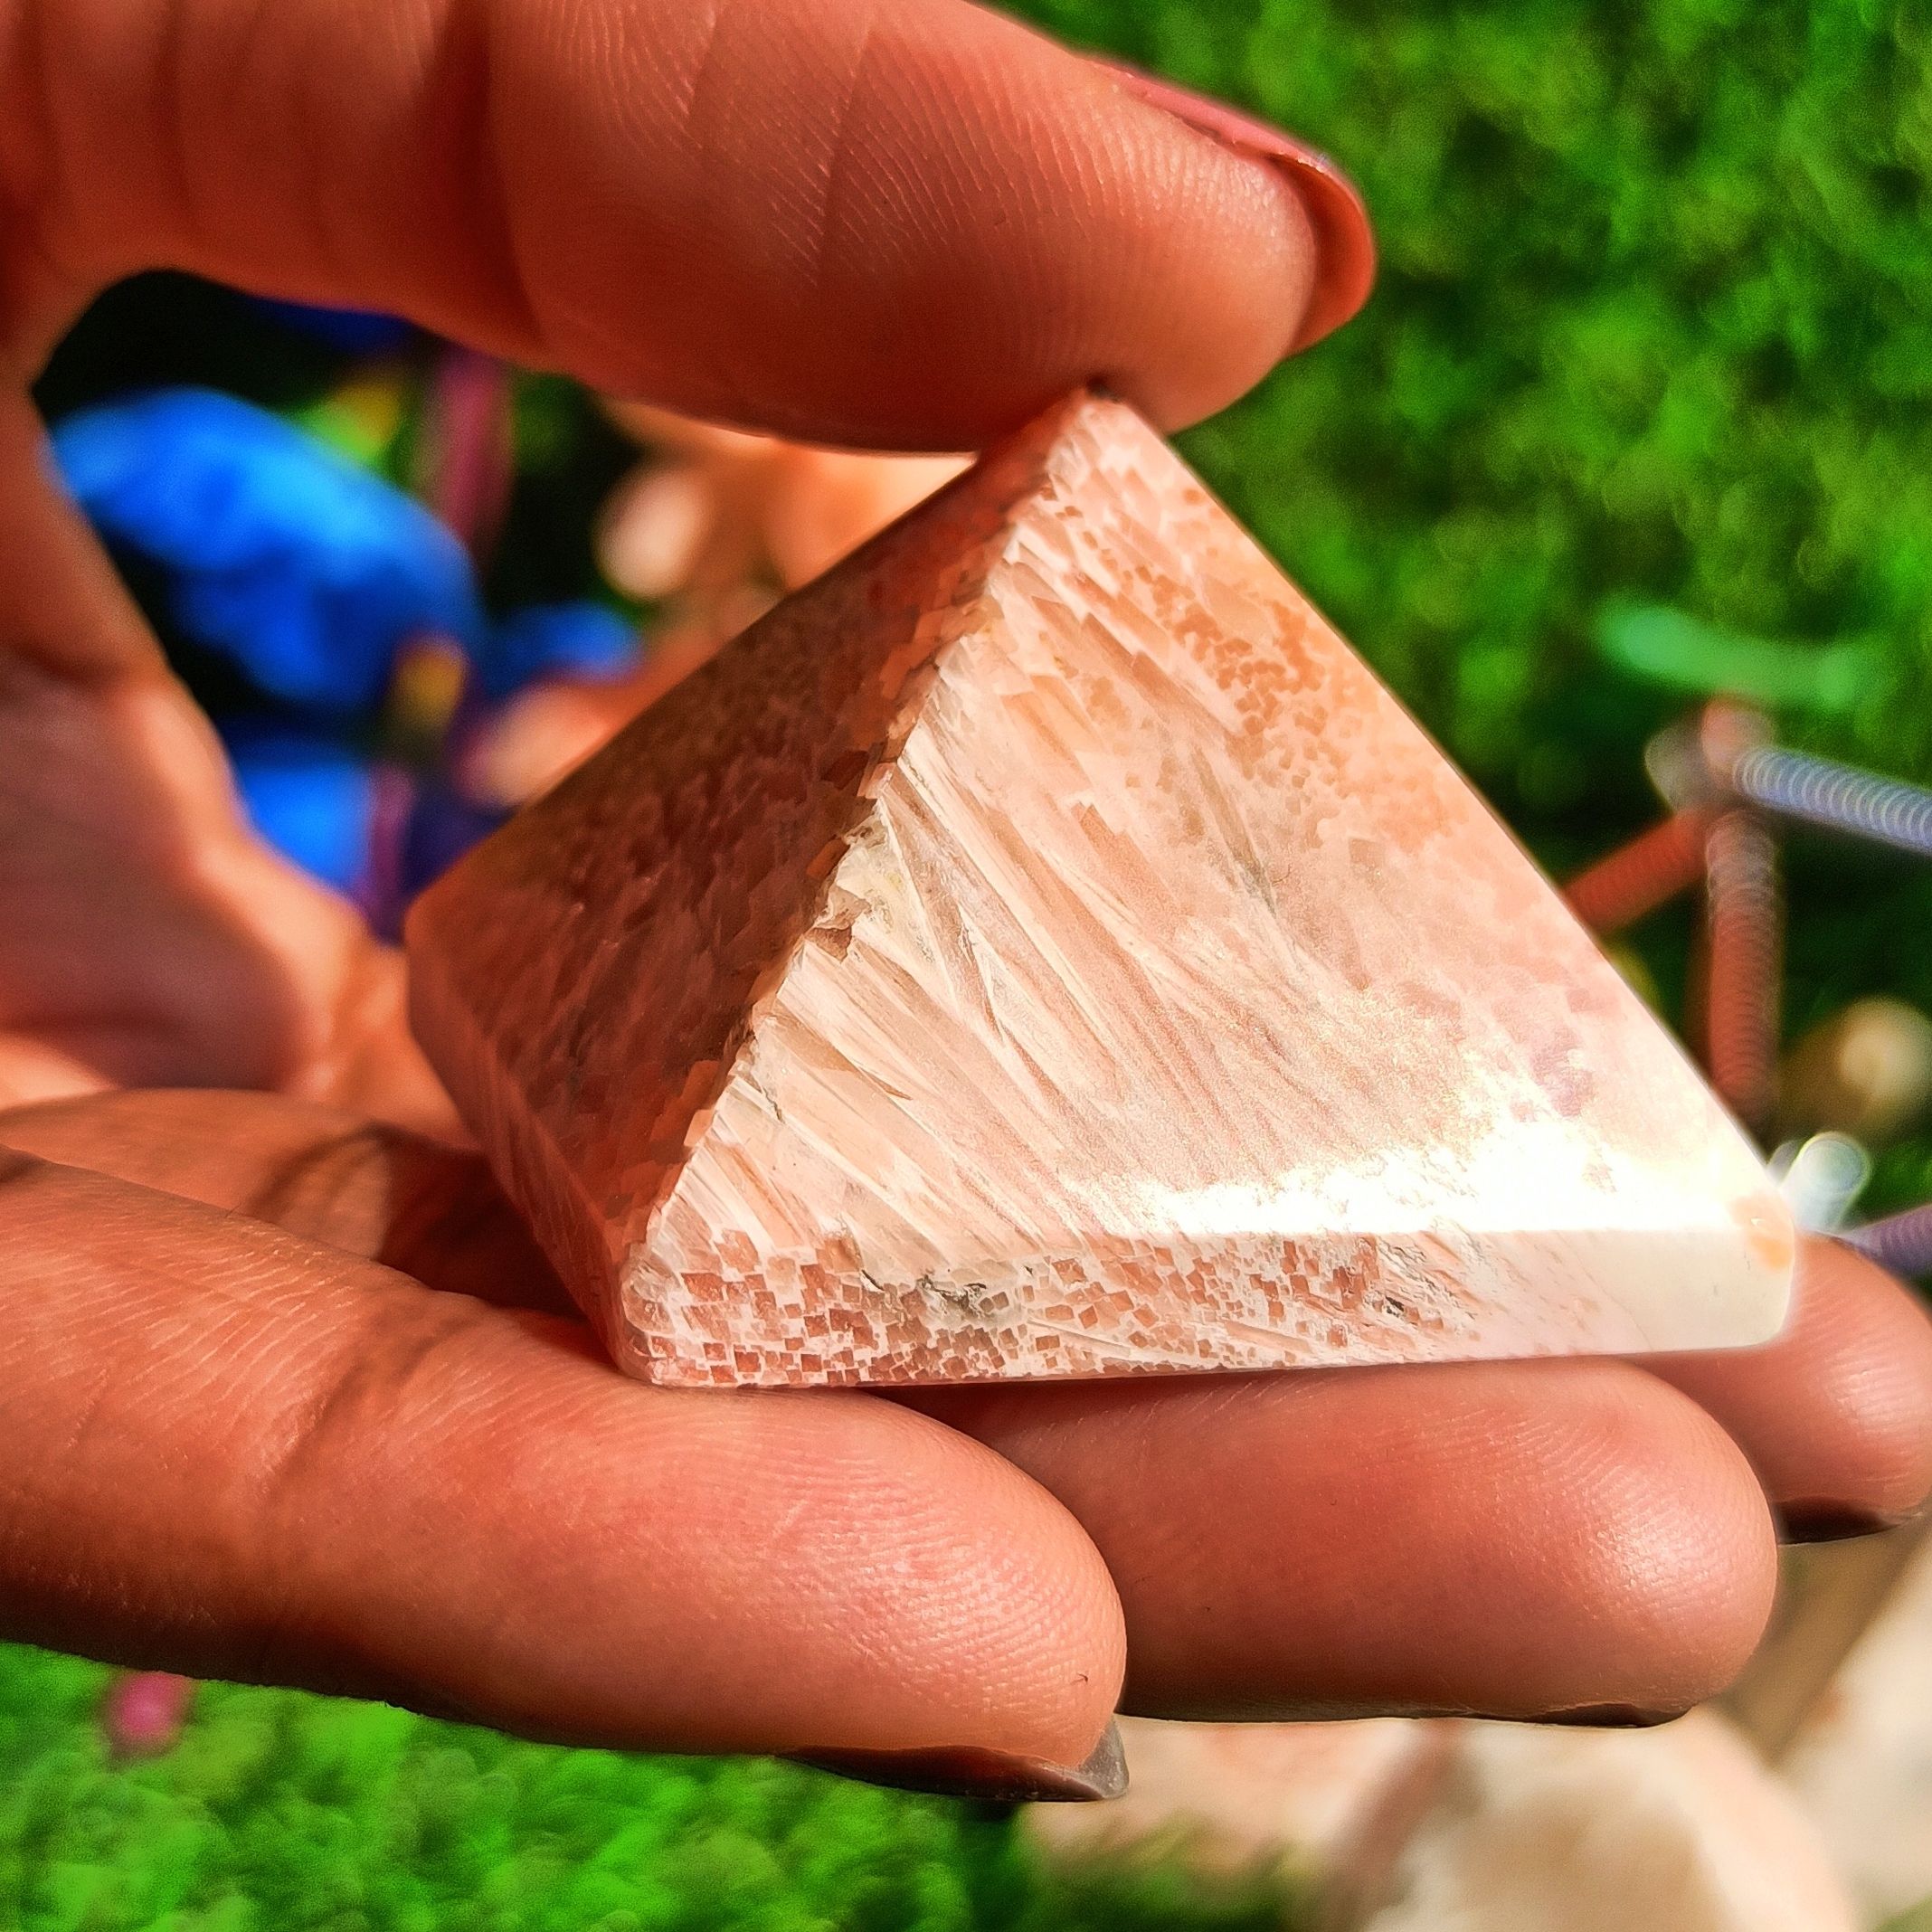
1040, 948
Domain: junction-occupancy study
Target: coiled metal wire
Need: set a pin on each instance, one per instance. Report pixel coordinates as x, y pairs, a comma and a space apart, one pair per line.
1796, 785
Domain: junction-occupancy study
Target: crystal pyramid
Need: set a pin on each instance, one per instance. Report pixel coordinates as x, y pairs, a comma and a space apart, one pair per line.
1040, 948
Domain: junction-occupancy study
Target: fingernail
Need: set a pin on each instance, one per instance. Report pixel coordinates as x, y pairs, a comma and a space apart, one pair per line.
1608, 1717
1818, 1521
1344, 240
967, 1771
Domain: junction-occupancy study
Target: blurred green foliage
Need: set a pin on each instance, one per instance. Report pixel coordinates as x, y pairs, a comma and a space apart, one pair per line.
1654, 328
282, 1812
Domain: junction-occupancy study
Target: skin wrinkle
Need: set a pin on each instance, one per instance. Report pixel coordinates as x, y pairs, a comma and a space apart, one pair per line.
363, 1398
387, 1400
113, 1388
1060, 175
467, 65
333, 242
797, 229
423, 1208
52, 1457
688, 87
670, 82
282, 1186
835, 173
174, 81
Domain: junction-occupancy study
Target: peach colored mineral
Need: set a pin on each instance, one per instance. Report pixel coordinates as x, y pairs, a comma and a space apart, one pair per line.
1039, 947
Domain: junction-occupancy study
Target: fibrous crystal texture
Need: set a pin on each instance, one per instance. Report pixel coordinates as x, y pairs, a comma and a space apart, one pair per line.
1040, 948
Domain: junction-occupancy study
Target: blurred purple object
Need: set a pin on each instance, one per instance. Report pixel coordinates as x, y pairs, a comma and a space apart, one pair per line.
144, 1711
442, 827
1901, 1244
468, 457
381, 894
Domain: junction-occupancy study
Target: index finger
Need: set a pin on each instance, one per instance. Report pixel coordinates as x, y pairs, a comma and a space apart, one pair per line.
902, 222
242, 1452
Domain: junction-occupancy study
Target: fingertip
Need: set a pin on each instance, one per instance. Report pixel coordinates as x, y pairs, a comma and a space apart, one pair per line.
1836, 1414
300, 1466
1017, 224
1509, 1540
1345, 249
1615, 1548
899, 225
1873, 1368
1671, 1547
1341, 236
1009, 1610
819, 1576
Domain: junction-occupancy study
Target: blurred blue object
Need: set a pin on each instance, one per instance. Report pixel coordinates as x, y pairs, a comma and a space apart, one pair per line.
304, 571
354, 331
582, 640
313, 799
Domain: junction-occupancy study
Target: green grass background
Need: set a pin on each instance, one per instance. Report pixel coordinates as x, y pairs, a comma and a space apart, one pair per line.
1654, 322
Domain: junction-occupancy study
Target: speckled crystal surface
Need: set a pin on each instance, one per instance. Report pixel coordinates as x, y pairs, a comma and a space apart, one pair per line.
1040, 948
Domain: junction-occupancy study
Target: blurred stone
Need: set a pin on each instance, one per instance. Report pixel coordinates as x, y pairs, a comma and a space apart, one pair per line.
1866, 1071
1040, 948
1681, 1829
827, 502
1862, 1762
654, 528
1828, 1595
725, 507
1311, 1811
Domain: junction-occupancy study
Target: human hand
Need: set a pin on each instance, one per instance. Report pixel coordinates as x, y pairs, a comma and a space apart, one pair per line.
335, 1427
339, 1426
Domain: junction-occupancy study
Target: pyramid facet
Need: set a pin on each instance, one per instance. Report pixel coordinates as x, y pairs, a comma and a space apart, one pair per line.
1041, 948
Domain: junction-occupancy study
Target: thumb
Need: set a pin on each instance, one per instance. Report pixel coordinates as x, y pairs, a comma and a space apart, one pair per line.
897, 222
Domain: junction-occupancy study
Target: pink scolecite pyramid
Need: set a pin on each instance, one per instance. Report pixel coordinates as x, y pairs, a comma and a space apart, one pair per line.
1040, 948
